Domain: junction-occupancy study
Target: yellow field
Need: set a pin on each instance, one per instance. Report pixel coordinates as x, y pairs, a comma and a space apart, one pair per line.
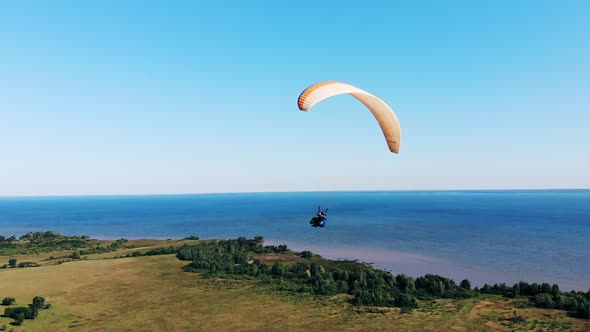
154, 294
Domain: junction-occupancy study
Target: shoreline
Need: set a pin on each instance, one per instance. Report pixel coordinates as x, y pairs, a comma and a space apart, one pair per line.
394, 261
416, 265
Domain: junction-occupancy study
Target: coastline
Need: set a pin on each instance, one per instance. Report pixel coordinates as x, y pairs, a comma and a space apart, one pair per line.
416, 265
486, 237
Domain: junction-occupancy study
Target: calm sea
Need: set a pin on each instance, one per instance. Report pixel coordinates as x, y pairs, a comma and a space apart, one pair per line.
485, 236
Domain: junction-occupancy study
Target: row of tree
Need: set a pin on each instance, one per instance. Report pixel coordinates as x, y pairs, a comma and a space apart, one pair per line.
12, 263
368, 285
240, 247
153, 252
545, 296
114, 246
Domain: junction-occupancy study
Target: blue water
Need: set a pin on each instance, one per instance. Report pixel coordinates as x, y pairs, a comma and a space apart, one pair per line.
485, 236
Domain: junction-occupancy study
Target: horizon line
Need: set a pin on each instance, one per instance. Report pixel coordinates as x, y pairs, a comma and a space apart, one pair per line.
291, 191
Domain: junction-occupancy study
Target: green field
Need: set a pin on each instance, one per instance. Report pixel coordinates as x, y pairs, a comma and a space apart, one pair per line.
151, 293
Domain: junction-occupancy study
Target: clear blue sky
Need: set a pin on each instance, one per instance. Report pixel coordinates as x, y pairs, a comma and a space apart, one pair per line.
120, 97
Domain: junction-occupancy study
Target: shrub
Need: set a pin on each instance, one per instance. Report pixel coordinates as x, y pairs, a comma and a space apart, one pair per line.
544, 300
27, 264
306, 254
13, 312
405, 300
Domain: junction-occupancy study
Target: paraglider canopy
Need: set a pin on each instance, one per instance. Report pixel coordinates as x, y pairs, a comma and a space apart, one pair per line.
382, 112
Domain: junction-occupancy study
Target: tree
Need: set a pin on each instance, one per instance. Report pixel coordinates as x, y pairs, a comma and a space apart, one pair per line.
465, 284
14, 311
403, 282
33, 312
38, 302
306, 254
259, 240
544, 300
534, 289
559, 302
12, 262
8, 301
516, 290
583, 311
19, 318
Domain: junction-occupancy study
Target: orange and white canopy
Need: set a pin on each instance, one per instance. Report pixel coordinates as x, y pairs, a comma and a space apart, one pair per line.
382, 112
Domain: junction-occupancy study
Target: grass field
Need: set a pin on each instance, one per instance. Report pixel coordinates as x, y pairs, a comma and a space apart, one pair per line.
152, 293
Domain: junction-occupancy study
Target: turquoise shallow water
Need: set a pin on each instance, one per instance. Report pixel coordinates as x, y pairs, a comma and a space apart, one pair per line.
485, 236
